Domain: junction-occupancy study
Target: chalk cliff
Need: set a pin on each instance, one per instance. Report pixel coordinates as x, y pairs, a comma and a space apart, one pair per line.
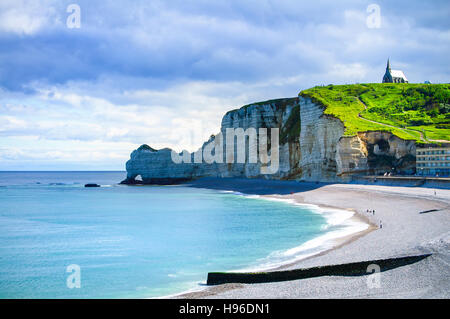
327, 155
312, 147
157, 166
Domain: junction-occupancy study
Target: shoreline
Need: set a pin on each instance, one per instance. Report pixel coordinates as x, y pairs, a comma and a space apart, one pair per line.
336, 242
403, 211
339, 240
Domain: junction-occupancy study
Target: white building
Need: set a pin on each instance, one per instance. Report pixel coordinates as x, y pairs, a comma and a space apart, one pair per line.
394, 76
433, 161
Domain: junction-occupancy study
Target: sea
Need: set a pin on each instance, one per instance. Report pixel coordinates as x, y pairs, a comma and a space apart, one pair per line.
59, 239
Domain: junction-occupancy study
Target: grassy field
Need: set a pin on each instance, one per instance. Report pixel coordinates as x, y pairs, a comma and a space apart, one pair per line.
418, 112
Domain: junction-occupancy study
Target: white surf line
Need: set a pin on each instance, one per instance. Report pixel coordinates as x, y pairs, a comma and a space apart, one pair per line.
315, 246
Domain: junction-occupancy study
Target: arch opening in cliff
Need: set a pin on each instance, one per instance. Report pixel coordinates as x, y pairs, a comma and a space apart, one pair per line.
381, 147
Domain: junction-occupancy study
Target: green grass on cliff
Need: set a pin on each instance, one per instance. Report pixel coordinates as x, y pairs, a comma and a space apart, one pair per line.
418, 112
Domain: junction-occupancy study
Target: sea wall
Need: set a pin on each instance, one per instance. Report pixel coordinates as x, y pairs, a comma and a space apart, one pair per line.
349, 269
407, 181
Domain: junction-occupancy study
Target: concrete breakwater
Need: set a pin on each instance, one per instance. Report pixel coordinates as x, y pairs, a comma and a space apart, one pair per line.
348, 269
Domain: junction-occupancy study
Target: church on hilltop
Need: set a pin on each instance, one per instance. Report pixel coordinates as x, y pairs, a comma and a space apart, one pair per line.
394, 76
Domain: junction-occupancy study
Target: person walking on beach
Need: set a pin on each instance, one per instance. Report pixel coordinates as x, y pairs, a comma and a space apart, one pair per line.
381, 225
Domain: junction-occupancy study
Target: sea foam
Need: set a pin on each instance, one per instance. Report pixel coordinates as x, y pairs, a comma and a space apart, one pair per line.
340, 224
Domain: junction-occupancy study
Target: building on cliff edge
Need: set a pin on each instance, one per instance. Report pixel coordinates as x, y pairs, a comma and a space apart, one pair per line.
393, 76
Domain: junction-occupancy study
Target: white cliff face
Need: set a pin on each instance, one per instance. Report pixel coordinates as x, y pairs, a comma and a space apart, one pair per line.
319, 136
351, 157
312, 147
265, 115
157, 166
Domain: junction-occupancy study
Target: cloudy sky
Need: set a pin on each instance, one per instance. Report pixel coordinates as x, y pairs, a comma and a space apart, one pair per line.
165, 72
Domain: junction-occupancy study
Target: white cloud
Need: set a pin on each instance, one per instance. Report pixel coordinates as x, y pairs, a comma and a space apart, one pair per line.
62, 124
354, 72
27, 16
11, 123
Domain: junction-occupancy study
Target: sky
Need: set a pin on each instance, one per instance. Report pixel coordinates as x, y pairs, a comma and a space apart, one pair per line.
84, 96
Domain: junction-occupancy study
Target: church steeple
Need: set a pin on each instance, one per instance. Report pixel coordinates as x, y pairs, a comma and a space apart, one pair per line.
393, 76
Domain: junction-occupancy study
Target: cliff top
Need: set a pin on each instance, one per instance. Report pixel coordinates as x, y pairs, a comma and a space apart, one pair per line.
279, 103
419, 112
146, 148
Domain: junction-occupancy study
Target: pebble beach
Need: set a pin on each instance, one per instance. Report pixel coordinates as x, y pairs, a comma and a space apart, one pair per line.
402, 221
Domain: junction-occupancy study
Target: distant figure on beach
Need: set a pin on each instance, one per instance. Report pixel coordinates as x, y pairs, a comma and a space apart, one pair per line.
434, 192
373, 211
381, 225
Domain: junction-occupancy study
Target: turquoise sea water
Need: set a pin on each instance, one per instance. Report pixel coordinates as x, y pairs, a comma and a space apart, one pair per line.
134, 242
